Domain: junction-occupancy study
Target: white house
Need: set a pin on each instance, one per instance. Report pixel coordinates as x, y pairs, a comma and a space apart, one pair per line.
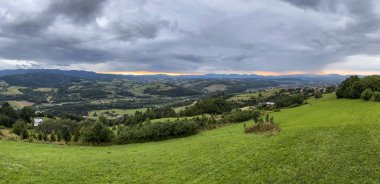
269, 103
37, 121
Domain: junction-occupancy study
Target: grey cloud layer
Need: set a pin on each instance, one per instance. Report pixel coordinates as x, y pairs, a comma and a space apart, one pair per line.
188, 36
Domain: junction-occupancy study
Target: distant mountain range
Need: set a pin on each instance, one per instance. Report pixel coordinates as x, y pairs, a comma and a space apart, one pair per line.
94, 75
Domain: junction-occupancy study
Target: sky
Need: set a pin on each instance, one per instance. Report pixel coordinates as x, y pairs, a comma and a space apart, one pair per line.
267, 37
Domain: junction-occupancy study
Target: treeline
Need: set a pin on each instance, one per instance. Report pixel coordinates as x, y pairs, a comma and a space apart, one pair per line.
354, 87
70, 129
99, 133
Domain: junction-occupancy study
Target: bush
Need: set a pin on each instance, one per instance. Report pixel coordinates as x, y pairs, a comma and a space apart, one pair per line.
318, 95
39, 136
97, 133
367, 94
53, 138
20, 129
262, 125
376, 96
66, 135
240, 116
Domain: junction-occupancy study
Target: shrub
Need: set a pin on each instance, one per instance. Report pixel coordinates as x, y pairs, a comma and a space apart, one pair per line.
45, 137
39, 136
376, 96
262, 125
20, 129
59, 136
52, 138
367, 94
240, 116
97, 133
318, 95
66, 135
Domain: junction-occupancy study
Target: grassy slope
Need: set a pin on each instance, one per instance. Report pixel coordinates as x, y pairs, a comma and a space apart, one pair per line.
13, 90
330, 141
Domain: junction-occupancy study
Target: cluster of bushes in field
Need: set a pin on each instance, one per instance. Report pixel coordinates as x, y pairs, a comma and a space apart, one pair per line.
262, 125
366, 88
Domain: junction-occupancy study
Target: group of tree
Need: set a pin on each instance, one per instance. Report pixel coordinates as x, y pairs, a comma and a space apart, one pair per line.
213, 105
9, 116
354, 87
150, 113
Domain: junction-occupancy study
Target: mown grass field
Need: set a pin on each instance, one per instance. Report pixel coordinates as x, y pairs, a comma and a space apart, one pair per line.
329, 141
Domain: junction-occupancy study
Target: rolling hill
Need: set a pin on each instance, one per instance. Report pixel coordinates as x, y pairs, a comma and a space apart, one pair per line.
326, 141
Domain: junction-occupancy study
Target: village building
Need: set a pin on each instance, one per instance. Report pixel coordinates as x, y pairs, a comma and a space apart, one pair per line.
37, 121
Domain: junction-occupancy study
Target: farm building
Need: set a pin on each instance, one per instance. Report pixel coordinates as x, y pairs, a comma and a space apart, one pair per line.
37, 121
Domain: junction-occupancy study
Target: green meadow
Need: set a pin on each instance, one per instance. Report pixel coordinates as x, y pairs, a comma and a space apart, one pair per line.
326, 141
13, 90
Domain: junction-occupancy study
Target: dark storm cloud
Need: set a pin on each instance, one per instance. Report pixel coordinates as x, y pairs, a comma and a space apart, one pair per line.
78, 10
139, 29
187, 36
